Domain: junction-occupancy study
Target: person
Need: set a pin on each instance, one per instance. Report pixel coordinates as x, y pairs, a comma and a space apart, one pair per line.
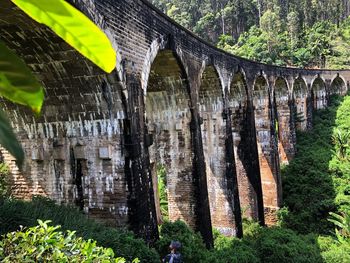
174, 256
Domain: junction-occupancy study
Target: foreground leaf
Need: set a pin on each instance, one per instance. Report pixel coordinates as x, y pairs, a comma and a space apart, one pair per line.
8, 139
74, 27
17, 82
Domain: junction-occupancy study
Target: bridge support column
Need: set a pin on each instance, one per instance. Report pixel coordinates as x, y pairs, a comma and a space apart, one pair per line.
249, 150
309, 108
141, 203
218, 152
247, 194
203, 219
231, 174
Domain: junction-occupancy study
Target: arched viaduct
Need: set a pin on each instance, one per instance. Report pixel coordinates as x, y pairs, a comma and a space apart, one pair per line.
219, 125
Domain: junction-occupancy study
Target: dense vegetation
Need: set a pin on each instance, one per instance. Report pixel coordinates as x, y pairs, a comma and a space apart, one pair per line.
45, 243
303, 33
15, 213
317, 181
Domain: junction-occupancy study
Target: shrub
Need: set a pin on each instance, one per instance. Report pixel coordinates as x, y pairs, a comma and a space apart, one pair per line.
44, 243
308, 182
231, 250
332, 251
193, 248
250, 228
275, 245
5, 182
337, 254
14, 213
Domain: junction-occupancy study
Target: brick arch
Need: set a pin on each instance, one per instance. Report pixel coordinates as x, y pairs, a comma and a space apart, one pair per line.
82, 112
168, 120
261, 90
300, 99
338, 85
282, 109
267, 148
151, 54
281, 88
213, 128
211, 90
244, 138
237, 94
318, 93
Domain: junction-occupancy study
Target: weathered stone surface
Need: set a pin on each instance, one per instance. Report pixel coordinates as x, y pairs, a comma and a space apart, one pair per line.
206, 115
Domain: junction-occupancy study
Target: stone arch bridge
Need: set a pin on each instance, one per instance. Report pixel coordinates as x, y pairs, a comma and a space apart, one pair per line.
219, 125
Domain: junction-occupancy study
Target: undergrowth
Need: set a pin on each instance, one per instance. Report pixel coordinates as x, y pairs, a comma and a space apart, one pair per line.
16, 213
317, 181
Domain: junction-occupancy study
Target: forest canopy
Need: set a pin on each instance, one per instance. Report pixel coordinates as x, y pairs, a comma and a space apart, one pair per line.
302, 33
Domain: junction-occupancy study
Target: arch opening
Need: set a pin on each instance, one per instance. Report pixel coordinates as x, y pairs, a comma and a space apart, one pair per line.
338, 86
267, 150
300, 104
318, 94
283, 121
238, 104
168, 120
213, 136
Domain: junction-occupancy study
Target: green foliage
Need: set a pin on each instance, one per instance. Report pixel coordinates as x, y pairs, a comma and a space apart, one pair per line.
17, 82
5, 181
232, 250
8, 139
343, 223
44, 243
193, 248
182, 17
332, 251
163, 195
74, 27
283, 245
308, 205
274, 44
250, 228
15, 213
273, 245
316, 182
270, 245
341, 141
301, 33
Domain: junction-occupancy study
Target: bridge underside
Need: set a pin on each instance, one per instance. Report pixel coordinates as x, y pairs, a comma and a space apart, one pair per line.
219, 126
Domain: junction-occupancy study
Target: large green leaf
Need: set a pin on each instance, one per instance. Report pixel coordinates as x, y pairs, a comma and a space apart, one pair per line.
17, 82
8, 139
74, 27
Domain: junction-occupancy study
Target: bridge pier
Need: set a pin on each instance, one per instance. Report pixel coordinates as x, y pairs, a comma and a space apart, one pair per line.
202, 214
141, 202
283, 119
218, 152
265, 123
245, 162
300, 104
